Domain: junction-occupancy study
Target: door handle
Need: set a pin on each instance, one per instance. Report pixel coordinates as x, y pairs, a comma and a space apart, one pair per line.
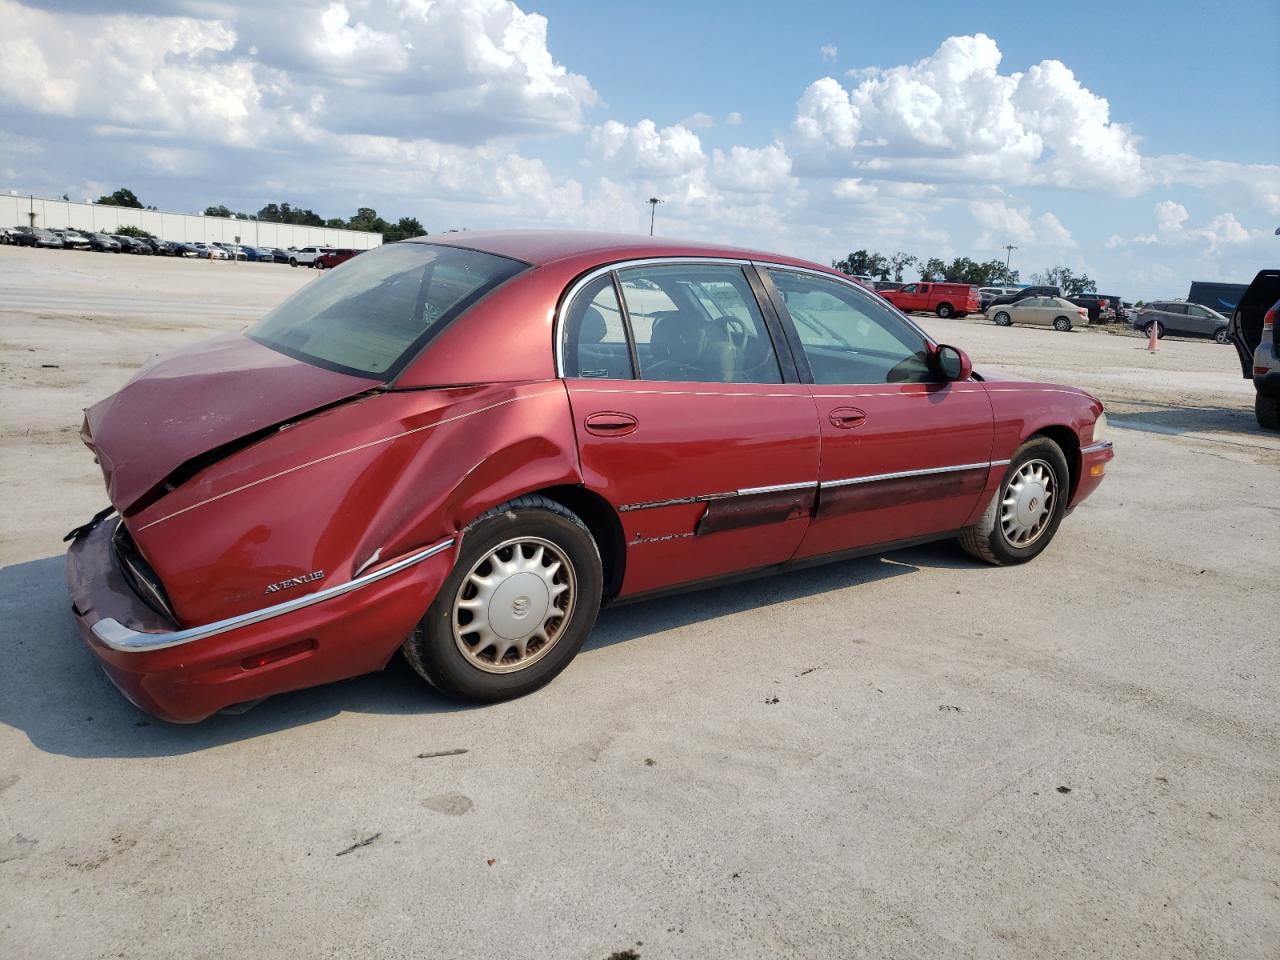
847, 417
611, 424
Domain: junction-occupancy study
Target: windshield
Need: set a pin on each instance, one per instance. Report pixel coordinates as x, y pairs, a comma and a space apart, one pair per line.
373, 314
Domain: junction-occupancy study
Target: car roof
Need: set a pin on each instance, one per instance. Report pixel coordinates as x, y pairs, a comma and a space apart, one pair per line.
543, 247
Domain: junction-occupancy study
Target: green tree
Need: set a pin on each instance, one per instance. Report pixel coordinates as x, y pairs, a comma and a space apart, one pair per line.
932, 269
218, 211
404, 228
284, 213
124, 197
863, 263
1062, 278
132, 231
899, 262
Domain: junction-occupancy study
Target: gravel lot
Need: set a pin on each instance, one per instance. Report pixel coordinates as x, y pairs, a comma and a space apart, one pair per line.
903, 756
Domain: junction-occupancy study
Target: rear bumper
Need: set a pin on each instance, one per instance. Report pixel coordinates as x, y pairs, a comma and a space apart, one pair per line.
185, 675
1093, 461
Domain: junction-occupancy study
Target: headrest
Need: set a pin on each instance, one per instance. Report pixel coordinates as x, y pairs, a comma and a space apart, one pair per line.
593, 327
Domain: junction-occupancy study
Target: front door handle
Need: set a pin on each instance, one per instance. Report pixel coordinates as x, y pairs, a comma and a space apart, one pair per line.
611, 424
847, 417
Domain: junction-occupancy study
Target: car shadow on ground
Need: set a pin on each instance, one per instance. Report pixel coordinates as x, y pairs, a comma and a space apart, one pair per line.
53, 690
1176, 419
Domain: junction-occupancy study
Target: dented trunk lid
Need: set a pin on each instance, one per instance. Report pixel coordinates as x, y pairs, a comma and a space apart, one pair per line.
204, 397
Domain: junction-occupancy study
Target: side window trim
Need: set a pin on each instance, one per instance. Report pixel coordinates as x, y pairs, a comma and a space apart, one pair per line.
626, 325
795, 365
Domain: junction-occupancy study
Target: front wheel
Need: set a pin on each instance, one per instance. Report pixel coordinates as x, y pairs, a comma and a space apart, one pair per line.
293, 261
1159, 329
1061, 324
1003, 319
1221, 336
1025, 512
517, 607
945, 311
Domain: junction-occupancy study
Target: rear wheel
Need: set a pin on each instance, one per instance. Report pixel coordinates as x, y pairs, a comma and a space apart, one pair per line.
1003, 319
1221, 336
1146, 331
1061, 324
1025, 512
517, 607
945, 311
1267, 410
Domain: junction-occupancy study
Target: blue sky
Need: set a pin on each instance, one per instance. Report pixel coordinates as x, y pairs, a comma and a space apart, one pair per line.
1135, 142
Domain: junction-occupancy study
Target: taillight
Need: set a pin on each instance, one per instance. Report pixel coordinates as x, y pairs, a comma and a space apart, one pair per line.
1269, 321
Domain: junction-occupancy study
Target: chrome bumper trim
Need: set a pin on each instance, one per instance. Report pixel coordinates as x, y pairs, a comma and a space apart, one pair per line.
1096, 447
119, 637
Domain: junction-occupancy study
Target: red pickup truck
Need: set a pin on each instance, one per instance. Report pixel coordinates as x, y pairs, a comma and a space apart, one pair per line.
944, 299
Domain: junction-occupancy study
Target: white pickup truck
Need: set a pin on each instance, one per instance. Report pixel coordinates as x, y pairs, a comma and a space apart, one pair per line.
306, 257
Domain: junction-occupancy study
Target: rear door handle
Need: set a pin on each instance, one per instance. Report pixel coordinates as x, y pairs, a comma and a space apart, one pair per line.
611, 424
847, 417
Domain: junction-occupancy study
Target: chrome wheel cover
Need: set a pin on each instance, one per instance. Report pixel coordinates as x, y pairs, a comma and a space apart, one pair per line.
1027, 503
514, 605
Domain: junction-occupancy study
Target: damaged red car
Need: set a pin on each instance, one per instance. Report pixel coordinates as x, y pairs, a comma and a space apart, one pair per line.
460, 448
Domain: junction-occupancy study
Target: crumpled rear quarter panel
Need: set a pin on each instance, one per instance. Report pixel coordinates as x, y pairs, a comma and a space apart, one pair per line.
391, 472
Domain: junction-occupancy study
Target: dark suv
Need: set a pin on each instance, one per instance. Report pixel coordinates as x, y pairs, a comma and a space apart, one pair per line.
1041, 291
1253, 333
1182, 318
1101, 309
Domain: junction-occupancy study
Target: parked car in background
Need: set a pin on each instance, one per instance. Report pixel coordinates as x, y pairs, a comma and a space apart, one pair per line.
275, 254
1182, 318
1118, 306
181, 248
1099, 307
103, 243
1022, 293
944, 299
210, 251
129, 244
880, 286
402, 508
334, 257
46, 238
1056, 312
6, 235
306, 256
72, 239
22, 236
1253, 333
988, 294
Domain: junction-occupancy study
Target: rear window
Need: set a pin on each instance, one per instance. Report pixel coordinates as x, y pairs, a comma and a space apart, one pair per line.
375, 314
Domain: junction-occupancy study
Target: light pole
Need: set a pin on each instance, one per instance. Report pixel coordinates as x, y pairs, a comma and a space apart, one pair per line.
1008, 252
653, 209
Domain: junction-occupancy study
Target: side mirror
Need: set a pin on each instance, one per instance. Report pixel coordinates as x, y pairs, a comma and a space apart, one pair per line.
952, 363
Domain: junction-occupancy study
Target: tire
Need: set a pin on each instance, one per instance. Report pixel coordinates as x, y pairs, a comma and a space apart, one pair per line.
1003, 319
1267, 410
1221, 335
293, 261
1062, 324
1146, 331
990, 540
435, 649
945, 311
318, 265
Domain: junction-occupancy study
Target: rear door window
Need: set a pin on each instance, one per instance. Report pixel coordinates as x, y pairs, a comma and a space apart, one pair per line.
698, 322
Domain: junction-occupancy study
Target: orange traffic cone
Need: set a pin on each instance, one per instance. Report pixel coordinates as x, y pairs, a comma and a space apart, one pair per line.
1154, 342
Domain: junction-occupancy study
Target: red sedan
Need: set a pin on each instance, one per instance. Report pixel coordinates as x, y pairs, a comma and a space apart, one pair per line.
331, 258
461, 447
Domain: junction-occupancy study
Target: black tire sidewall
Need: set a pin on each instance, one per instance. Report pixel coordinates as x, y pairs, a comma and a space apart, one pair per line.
433, 640
1004, 319
1039, 448
945, 311
1065, 327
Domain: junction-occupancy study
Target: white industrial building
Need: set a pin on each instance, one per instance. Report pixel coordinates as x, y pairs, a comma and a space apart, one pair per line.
184, 227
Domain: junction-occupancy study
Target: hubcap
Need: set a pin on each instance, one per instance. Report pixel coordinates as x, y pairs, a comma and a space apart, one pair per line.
1027, 503
514, 604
